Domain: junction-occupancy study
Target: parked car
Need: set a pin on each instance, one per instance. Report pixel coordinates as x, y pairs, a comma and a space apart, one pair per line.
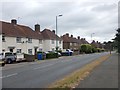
69, 50
9, 57
59, 54
2, 60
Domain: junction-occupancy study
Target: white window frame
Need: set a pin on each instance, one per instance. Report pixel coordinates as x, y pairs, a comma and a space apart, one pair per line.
60, 42
19, 51
53, 41
30, 51
18, 39
29, 40
3, 38
40, 41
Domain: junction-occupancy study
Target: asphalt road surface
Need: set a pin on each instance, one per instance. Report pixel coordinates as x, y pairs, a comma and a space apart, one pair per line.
104, 76
42, 73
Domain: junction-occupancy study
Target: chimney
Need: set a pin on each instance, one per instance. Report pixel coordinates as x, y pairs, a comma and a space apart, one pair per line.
84, 39
53, 31
67, 34
14, 21
72, 36
37, 27
78, 37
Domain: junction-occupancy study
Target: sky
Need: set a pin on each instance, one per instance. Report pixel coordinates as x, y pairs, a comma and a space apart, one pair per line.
83, 18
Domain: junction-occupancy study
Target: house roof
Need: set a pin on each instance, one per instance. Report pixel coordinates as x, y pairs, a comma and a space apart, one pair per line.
15, 30
84, 41
65, 38
68, 39
48, 34
96, 44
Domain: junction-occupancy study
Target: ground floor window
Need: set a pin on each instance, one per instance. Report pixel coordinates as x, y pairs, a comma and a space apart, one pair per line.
29, 51
19, 50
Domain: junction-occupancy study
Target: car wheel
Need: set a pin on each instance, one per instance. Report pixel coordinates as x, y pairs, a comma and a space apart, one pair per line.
9, 61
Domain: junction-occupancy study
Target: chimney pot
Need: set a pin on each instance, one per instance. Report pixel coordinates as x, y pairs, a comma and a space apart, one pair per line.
67, 34
53, 31
71, 35
14, 21
37, 27
78, 37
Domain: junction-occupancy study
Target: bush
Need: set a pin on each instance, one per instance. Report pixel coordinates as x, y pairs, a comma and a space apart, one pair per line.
86, 48
51, 55
98, 50
94, 50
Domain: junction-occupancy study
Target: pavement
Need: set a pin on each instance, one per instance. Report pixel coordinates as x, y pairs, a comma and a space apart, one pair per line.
104, 76
42, 73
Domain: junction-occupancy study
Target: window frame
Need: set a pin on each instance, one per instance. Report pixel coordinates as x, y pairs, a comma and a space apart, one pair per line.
18, 39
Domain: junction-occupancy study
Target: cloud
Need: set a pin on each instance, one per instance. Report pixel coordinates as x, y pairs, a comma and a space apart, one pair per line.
80, 18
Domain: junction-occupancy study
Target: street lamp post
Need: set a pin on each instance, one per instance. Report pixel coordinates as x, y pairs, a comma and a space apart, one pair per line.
56, 32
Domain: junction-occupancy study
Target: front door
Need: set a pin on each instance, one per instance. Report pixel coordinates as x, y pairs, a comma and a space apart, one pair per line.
11, 50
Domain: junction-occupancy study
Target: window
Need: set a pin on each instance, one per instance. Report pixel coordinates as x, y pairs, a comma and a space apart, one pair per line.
18, 39
29, 40
29, 51
19, 50
53, 49
53, 42
70, 44
60, 42
3, 38
75, 44
40, 41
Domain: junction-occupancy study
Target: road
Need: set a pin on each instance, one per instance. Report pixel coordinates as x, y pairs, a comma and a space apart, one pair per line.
104, 76
42, 73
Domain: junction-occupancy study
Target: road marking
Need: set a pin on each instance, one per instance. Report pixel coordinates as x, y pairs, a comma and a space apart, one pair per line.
43, 66
10, 75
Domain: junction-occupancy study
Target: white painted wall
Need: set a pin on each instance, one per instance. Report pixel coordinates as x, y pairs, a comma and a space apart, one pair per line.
48, 46
11, 42
45, 46
0, 43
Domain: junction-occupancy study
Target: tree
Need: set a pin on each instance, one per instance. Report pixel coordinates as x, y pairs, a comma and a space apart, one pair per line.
117, 39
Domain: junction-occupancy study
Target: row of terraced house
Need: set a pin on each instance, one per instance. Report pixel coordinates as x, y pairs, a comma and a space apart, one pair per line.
22, 39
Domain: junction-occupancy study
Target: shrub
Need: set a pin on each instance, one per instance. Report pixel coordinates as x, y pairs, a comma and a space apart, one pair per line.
98, 50
86, 48
94, 49
51, 55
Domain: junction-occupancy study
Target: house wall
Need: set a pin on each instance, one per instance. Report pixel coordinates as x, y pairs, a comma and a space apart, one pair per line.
0, 43
48, 46
66, 45
11, 42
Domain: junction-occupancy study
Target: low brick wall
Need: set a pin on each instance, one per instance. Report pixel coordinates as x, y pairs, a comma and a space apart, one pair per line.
29, 58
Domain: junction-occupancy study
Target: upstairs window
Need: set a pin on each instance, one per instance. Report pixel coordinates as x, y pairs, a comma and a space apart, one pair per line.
18, 39
3, 38
70, 44
60, 42
40, 41
29, 40
53, 41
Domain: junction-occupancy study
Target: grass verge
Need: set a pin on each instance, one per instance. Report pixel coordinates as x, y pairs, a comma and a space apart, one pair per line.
72, 80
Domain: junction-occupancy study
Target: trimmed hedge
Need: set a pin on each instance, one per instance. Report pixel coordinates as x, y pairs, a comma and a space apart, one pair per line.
51, 55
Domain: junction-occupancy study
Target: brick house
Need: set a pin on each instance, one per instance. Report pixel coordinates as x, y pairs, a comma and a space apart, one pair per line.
70, 42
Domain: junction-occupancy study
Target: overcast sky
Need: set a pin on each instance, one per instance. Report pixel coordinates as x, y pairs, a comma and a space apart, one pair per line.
80, 17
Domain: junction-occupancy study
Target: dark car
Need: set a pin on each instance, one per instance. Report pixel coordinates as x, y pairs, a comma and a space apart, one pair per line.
10, 57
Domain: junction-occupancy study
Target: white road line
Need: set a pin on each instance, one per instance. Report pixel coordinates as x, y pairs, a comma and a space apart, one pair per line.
43, 66
10, 75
